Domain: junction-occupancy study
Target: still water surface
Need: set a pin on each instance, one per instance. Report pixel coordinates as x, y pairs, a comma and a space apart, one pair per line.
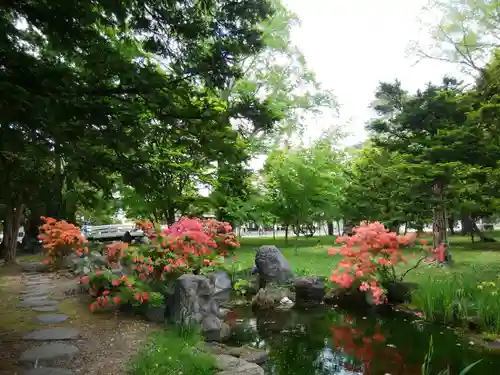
326, 341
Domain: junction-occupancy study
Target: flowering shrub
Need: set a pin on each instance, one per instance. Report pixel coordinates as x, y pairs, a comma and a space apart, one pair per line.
371, 255
113, 290
145, 226
115, 252
223, 235
188, 246
60, 239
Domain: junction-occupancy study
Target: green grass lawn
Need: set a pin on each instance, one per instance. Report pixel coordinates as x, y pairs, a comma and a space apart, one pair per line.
310, 255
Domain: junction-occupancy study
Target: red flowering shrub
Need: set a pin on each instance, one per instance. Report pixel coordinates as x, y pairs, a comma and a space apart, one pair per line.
115, 252
145, 226
223, 235
188, 246
60, 239
371, 255
113, 290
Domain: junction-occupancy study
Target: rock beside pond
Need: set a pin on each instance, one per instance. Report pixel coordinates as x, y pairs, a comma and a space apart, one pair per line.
309, 290
236, 366
399, 292
222, 285
272, 297
245, 352
272, 266
346, 298
193, 303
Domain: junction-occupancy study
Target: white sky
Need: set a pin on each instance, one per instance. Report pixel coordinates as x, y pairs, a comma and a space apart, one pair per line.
351, 45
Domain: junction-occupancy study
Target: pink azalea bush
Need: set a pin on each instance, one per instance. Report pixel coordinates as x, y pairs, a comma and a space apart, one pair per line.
188, 246
371, 255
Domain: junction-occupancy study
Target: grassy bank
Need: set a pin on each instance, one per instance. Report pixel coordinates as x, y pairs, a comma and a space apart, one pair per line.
311, 254
173, 352
468, 293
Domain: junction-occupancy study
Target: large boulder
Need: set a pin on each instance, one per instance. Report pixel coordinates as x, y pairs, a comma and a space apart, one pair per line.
272, 266
193, 303
230, 365
309, 290
222, 285
273, 297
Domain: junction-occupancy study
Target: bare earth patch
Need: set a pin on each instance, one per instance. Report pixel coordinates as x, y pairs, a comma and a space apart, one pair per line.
107, 341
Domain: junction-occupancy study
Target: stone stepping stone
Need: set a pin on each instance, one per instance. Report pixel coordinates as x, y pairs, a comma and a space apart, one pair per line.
48, 371
34, 295
52, 334
40, 289
45, 308
34, 298
47, 302
38, 282
52, 318
49, 352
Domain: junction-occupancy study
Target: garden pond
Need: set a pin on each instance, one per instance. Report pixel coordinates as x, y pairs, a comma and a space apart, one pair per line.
330, 341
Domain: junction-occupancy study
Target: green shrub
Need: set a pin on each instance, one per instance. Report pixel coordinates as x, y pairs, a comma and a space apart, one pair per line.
454, 298
173, 352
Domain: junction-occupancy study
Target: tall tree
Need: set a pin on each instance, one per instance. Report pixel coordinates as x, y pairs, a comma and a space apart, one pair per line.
303, 185
381, 186
467, 32
419, 130
89, 81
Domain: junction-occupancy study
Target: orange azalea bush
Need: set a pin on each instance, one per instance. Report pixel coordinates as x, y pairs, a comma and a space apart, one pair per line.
371, 255
188, 246
145, 226
61, 239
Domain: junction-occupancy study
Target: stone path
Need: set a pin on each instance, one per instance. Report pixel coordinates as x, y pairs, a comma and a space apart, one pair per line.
54, 345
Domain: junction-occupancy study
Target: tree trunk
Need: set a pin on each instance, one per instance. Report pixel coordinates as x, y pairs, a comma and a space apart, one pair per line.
439, 218
481, 234
286, 233
11, 229
170, 216
329, 225
394, 228
30, 241
338, 227
451, 225
467, 227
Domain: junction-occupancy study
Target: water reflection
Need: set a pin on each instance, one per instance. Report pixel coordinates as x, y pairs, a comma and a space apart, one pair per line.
333, 342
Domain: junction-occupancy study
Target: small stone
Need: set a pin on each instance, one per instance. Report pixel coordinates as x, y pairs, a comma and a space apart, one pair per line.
48, 371
35, 298
48, 334
236, 366
52, 318
38, 282
39, 289
45, 308
47, 302
34, 295
48, 352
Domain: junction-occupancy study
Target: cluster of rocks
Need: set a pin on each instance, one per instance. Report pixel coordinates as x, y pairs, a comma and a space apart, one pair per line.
198, 299
278, 286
